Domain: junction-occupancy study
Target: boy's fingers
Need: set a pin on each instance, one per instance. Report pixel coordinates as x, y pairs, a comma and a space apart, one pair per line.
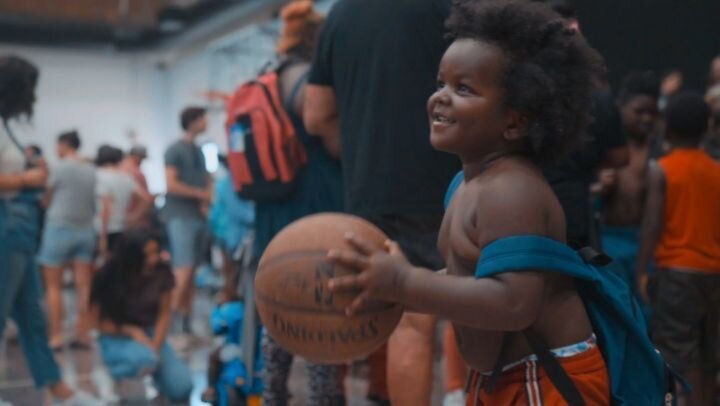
345, 283
360, 244
348, 259
393, 247
358, 304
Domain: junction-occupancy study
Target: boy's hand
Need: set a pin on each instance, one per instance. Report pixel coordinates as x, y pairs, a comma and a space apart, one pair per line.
381, 272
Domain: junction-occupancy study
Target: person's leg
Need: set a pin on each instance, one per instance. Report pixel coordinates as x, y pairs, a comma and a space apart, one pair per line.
410, 360
277, 370
126, 358
55, 251
410, 347
377, 385
209, 395
456, 370
181, 237
30, 319
53, 277
83, 281
326, 384
172, 376
677, 326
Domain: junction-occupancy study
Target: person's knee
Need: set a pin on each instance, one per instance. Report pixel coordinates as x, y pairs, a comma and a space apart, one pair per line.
179, 387
418, 326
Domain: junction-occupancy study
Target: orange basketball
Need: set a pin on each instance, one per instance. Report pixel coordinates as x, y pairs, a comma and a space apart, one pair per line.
295, 304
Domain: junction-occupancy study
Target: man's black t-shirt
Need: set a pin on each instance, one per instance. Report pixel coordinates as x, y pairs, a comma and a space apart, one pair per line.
381, 58
571, 178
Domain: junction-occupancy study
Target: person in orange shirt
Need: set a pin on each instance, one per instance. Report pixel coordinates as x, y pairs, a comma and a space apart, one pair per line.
681, 230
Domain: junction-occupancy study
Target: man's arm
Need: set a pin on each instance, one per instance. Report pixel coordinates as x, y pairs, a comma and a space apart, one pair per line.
176, 187
321, 116
652, 224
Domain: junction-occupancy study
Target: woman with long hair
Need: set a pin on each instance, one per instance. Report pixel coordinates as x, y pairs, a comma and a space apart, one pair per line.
20, 290
130, 300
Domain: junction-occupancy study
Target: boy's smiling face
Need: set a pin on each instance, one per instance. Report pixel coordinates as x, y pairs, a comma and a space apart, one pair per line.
467, 115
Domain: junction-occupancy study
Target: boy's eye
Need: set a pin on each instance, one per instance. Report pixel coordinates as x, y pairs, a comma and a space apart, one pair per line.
440, 84
464, 89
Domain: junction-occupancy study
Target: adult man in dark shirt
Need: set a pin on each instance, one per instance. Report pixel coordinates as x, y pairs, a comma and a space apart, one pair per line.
606, 146
375, 67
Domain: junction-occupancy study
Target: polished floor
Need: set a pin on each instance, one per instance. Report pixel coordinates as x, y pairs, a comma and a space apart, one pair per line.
83, 369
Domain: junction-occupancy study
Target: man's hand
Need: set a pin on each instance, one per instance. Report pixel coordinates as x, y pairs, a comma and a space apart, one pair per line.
35, 177
381, 272
137, 334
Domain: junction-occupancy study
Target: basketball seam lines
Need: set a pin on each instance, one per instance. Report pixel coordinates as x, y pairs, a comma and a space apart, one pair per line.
272, 302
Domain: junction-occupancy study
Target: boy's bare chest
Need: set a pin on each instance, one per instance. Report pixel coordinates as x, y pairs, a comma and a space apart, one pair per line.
456, 241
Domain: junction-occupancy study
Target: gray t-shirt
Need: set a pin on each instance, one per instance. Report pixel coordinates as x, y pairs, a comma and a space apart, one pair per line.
73, 199
188, 160
120, 187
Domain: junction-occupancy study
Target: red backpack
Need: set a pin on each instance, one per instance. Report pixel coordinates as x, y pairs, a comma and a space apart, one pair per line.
264, 152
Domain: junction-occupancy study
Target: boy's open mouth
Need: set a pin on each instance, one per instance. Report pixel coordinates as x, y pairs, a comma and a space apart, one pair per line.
441, 119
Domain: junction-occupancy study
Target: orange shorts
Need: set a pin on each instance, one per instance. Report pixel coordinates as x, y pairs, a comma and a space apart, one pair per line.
527, 383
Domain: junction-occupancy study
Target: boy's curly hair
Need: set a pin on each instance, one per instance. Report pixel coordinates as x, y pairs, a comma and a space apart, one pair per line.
639, 84
550, 73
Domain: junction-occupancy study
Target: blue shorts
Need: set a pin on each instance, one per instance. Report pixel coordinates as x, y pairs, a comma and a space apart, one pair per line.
186, 237
62, 244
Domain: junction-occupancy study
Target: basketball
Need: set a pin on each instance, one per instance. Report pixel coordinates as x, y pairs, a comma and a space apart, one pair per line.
293, 301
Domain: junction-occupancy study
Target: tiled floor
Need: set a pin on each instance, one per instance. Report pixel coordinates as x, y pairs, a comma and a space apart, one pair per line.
83, 369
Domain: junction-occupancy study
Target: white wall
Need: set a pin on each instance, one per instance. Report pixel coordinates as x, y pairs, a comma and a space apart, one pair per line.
107, 96
122, 98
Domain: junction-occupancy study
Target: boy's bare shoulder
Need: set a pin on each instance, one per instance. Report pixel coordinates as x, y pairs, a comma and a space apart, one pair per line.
513, 201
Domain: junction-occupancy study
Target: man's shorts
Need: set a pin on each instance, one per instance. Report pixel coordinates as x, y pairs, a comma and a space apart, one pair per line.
685, 317
62, 244
186, 237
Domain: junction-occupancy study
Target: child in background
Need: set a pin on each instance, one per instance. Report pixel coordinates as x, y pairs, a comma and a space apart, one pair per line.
130, 300
681, 230
513, 90
623, 190
231, 220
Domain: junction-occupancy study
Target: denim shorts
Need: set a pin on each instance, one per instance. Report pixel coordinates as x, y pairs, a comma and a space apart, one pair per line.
63, 243
186, 237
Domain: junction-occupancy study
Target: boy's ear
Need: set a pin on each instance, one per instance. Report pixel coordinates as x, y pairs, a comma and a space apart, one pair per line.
516, 126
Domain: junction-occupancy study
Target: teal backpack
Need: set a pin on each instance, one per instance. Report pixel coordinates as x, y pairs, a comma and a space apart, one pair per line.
638, 374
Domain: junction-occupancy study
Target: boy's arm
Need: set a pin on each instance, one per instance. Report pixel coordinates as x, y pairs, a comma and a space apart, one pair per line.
507, 302
652, 224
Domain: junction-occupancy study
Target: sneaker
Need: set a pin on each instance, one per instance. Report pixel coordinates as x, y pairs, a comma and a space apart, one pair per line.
454, 398
79, 398
5, 403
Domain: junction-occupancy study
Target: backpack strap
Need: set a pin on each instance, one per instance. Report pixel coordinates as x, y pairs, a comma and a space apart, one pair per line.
454, 185
557, 374
521, 253
296, 89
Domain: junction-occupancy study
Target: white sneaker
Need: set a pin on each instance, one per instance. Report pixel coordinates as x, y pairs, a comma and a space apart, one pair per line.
79, 398
455, 398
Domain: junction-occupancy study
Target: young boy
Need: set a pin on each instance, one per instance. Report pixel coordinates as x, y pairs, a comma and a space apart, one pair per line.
681, 230
623, 190
513, 89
